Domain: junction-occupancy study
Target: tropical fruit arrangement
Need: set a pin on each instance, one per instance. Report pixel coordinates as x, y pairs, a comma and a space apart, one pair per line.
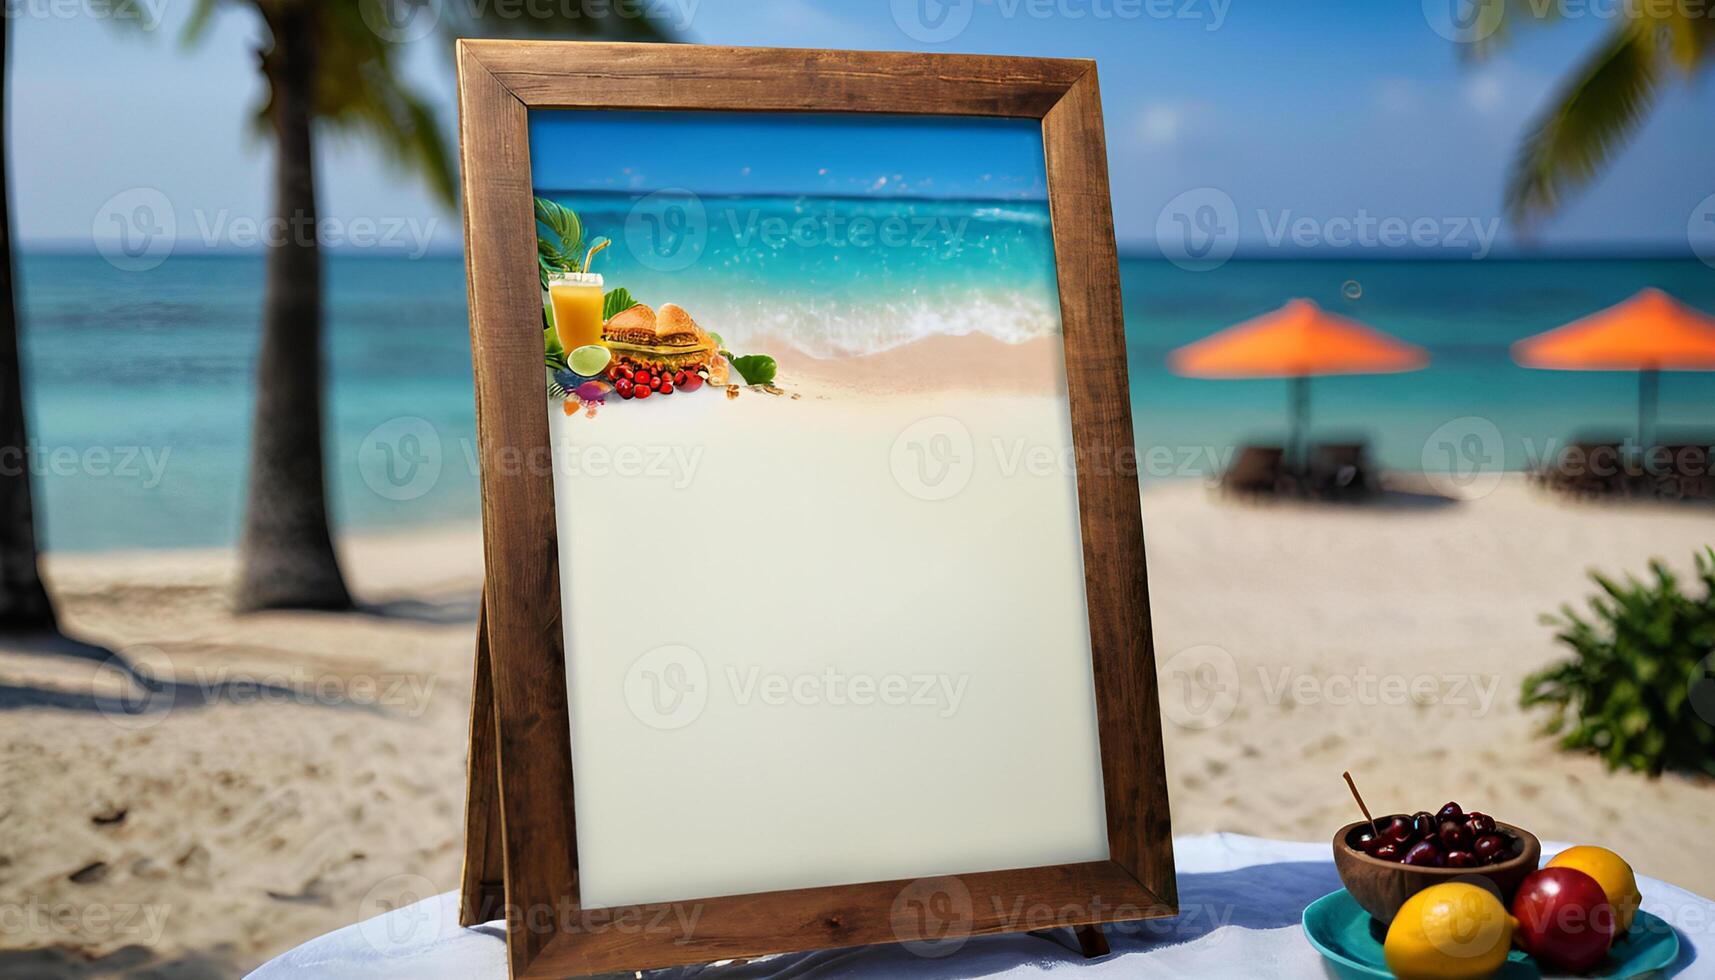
1474, 894
599, 342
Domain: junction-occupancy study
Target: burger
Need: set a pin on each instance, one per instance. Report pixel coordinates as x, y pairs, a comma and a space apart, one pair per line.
669, 339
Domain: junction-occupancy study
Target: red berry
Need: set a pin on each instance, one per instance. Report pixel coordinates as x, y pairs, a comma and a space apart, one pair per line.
655, 382
666, 387
691, 383
625, 372
679, 378
642, 391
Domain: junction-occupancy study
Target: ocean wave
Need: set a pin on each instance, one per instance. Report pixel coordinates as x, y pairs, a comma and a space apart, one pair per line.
1036, 215
827, 328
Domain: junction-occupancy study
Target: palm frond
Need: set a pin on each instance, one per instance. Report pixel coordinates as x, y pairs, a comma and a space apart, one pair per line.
359, 90
1587, 122
196, 26
1485, 27
562, 247
625, 20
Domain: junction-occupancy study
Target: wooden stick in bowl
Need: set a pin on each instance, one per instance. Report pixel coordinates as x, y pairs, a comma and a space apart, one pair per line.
1356, 796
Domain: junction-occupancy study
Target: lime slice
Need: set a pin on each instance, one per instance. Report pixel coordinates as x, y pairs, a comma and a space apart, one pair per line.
589, 360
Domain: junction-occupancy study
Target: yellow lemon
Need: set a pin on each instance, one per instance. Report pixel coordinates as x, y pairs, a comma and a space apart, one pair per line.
1611, 872
1452, 931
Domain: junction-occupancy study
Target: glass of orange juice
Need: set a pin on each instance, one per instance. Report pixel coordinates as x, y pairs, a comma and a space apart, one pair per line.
576, 301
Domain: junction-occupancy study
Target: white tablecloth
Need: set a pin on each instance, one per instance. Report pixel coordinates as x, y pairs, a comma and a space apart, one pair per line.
1240, 900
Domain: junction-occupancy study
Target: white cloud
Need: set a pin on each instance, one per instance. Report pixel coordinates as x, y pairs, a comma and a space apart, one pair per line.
1169, 125
1396, 95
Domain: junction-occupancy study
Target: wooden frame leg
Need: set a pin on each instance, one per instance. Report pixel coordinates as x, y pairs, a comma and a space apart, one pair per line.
483, 889
1092, 941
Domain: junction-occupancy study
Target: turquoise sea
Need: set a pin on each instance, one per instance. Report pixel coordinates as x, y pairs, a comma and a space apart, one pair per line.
139, 383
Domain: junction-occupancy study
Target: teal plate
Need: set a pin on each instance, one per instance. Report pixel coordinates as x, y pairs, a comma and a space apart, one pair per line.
1345, 934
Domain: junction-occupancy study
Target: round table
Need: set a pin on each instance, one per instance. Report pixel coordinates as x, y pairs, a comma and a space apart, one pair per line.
1240, 899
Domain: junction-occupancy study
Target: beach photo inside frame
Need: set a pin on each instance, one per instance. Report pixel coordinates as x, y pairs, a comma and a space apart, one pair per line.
822, 577
826, 623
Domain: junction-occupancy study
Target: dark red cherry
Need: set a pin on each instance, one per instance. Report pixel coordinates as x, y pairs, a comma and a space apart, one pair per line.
1489, 848
1424, 854
1451, 812
1479, 823
1397, 829
1424, 824
1454, 836
1388, 852
1461, 859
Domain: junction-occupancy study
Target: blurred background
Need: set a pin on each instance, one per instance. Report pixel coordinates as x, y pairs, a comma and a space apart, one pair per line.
209, 200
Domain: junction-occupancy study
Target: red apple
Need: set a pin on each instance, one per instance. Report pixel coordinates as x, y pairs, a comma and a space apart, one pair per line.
1564, 919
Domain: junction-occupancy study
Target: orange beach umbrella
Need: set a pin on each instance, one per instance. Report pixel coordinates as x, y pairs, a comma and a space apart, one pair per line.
1297, 341
1649, 333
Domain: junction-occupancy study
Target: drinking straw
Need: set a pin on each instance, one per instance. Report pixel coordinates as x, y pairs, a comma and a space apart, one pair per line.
590, 255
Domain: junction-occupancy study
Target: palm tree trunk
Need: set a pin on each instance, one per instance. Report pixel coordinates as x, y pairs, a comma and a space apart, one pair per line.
286, 556
24, 603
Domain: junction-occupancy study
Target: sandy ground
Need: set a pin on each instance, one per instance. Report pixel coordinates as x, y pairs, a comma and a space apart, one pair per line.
307, 770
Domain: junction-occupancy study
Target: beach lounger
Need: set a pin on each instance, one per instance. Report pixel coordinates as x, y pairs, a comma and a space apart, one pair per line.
1256, 469
1340, 470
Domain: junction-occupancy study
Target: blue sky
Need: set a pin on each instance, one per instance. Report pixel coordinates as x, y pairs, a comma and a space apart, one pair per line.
1322, 110
848, 155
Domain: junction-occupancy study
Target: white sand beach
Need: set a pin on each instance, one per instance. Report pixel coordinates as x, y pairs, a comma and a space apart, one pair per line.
311, 772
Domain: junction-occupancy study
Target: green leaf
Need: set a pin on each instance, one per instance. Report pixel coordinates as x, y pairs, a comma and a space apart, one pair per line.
553, 353
616, 301
756, 369
1630, 691
1587, 122
561, 248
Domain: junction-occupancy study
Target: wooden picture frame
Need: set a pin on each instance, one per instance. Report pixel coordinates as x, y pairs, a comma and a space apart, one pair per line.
521, 853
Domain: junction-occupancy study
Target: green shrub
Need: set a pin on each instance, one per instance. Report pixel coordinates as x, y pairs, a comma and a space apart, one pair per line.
1640, 690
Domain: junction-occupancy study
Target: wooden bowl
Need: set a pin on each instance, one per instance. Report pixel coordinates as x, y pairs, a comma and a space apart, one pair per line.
1381, 887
